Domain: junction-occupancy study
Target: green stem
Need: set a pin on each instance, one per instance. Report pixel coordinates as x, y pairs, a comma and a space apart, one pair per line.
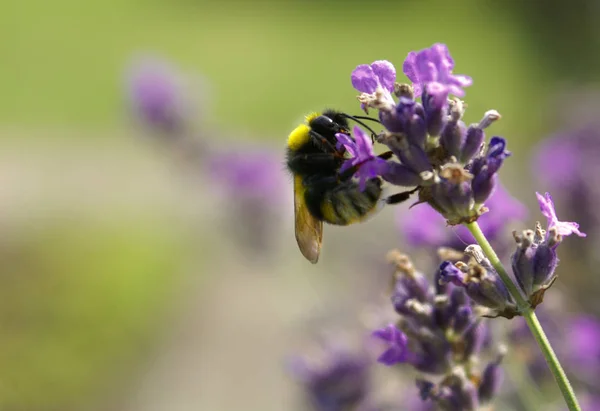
531, 319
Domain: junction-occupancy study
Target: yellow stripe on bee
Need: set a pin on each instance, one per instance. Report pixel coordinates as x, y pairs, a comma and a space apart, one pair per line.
345, 211
300, 135
345, 216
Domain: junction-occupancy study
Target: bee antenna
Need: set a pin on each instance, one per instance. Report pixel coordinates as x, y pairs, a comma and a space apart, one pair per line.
367, 118
356, 120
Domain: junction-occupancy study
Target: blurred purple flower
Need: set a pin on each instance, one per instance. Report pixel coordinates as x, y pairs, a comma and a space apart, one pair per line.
436, 333
157, 95
431, 70
335, 377
253, 186
557, 162
250, 173
425, 227
583, 344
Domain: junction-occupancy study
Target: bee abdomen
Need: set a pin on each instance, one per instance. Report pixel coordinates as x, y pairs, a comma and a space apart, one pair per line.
347, 204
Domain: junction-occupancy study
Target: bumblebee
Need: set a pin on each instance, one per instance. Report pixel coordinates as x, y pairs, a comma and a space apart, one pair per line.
321, 192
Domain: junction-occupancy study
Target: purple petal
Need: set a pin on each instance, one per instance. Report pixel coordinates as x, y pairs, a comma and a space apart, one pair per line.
438, 93
462, 80
396, 343
364, 79
423, 226
409, 67
449, 273
347, 142
434, 65
369, 170
347, 165
440, 55
386, 74
363, 143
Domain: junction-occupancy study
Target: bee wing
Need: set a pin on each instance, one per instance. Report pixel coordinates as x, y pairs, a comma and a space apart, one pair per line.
309, 230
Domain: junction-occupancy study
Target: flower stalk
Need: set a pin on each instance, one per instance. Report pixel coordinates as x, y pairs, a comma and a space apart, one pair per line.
533, 323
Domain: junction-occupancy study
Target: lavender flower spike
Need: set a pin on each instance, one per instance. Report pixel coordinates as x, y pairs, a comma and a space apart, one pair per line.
367, 164
563, 228
430, 70
535, 258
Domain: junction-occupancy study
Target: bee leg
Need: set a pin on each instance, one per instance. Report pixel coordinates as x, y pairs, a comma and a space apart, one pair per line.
401, 197
386, 156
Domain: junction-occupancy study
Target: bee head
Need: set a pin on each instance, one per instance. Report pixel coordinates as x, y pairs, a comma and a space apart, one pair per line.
330, 122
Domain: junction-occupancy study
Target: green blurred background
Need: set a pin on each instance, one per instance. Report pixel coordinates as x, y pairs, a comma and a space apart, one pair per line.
116, 272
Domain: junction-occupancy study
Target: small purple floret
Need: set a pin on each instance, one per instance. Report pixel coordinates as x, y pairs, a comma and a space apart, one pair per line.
563, 228
396, 342
367, 78
431, 68
449, 273
363, 157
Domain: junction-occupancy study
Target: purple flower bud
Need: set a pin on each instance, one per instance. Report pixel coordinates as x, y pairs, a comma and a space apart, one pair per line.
474, 338
453, 138
396, 345
399, 174
415, 157
452, 196
485, 168
447, 304
491, 381
435, 113
544, 264
480, 281
463, 320
416, 131
522, 261
473, 141
449, 273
